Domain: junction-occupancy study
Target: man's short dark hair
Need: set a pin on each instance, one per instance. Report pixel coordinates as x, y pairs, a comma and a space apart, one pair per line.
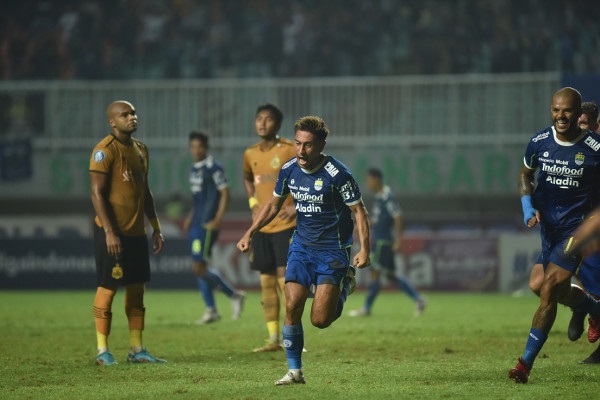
273, 109
590, 109
199, 135
314, 125
375, 173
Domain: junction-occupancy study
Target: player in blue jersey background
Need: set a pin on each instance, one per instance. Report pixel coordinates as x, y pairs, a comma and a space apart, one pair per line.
211, 198
385, 219
567, 161
327, 199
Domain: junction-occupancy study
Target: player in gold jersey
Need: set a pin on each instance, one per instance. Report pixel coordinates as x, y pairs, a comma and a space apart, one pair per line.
262, 162
121, 197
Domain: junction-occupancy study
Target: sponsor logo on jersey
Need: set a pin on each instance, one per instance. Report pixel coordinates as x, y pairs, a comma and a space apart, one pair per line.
541, 136
562, 170
313, 198
590, 141
579, 158
309, 208
562, 182
331, 170
292, 181
546, 154
99, 156
346, 191
275, 162
319, 184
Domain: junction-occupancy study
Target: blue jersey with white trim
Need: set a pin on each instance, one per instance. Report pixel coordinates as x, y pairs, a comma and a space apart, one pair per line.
322, 198
207, 178
385, 209
568, 178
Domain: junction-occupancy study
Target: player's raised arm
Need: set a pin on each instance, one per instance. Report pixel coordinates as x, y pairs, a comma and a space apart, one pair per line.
362, 224
526, 178
266, 215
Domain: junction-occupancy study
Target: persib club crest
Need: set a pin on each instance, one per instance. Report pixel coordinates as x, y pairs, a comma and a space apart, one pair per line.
579, 158
275, 163
319, 184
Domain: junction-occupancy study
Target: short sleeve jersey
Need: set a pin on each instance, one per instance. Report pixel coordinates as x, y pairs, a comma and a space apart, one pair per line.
322, 199
127, 168
568, 177
384, 210
262, 167
207, 179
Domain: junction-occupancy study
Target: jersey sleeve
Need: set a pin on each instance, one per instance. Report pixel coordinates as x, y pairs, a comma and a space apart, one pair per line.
101, 160
281, 186
247, 168
219, 178
530, 159
348, 188
146, 153
393, 207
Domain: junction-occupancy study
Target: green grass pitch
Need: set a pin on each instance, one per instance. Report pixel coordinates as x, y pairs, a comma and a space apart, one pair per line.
462, 347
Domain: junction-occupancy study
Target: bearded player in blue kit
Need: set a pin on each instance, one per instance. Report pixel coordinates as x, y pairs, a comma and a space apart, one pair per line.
568, 181
326, 198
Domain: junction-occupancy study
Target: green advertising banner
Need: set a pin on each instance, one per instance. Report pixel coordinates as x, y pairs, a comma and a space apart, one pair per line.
474, 170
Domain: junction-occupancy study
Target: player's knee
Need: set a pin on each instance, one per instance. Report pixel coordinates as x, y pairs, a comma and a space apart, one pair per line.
199, 268
321, 323
536, 286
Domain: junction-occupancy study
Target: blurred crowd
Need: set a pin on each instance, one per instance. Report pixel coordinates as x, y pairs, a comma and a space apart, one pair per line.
153, 39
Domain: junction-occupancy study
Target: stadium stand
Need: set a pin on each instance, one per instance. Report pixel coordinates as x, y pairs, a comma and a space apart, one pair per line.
120, 39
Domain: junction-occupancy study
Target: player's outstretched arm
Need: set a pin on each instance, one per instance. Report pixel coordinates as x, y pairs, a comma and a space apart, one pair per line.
266, 215
361, 259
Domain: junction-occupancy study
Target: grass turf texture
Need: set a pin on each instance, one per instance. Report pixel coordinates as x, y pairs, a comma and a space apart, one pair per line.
462, 347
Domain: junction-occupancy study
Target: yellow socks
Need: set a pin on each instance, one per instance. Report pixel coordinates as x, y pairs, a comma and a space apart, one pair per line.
274, 331
135, 340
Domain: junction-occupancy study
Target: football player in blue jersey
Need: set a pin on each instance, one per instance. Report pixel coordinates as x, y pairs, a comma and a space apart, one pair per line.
326, 198
587, 121
211, 198
568, 183
385, 216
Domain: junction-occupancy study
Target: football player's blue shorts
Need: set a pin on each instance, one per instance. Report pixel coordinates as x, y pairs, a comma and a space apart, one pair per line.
589, 274
315, 265
554, 245
201, 243
382, 255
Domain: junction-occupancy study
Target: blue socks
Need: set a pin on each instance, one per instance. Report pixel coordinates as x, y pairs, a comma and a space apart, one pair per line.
408, 288
206, 292
402, 283
293, 341
209, 282
217, 281
374, 289
534, 344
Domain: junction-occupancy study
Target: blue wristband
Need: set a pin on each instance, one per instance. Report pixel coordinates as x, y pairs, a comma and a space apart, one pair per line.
528, 210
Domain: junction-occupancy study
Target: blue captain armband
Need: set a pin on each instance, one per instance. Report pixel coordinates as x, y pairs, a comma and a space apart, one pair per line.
528, 210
